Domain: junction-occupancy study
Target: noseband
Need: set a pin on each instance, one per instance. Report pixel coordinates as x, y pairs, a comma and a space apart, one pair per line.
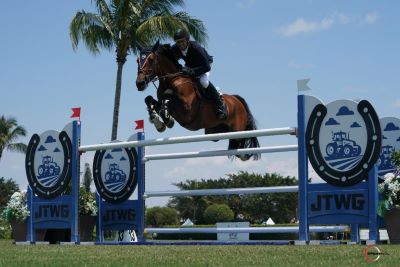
150, 76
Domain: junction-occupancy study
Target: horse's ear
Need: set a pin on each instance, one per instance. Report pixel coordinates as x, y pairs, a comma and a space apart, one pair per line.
155, 46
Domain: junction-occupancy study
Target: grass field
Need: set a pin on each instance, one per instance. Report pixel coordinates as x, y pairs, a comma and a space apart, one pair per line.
232, 255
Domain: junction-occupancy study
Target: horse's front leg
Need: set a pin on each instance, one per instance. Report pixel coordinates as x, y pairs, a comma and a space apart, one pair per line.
164, 113
153, 107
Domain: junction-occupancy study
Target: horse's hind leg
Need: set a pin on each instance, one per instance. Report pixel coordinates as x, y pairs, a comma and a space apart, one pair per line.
239, 144
152, 108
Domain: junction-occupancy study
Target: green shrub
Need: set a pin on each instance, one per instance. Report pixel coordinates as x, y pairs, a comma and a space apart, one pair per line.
218, 213
5, 230
159, 216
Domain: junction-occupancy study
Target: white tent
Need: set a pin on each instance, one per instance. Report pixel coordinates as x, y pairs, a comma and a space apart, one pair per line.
270, 221
188, 222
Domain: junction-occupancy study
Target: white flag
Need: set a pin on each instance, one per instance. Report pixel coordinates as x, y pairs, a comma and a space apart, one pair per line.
302, 85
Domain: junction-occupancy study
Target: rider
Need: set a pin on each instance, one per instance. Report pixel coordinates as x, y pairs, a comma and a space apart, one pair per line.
197, 64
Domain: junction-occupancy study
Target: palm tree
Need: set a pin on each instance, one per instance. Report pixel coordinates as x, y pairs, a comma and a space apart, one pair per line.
126, 26
10, 131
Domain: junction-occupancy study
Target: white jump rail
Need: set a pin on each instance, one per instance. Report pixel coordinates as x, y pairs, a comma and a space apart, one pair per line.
225, 152
190, 139
272, 229
223, 191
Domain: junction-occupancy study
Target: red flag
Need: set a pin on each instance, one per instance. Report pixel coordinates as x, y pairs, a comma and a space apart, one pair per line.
76, 113
139, 124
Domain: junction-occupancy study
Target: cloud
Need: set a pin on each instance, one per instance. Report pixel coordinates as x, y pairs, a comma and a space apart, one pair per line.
344, 111
245, 3
343, 19
294, 65
355, 125
122, 159
42, 148
398, 139
397, 103
56, 150
384, 137
369, 18
391, 127
332, 121
300, 26
50, 139
108, 156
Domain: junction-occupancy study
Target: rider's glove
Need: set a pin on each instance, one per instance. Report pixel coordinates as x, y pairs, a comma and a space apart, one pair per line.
188, 71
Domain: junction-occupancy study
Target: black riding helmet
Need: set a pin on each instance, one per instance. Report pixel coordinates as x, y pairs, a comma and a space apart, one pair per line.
181, 34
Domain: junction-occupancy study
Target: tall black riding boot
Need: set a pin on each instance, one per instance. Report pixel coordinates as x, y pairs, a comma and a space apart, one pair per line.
212, 92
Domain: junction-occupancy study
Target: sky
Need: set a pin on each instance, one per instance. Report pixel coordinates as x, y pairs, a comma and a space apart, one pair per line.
349, 50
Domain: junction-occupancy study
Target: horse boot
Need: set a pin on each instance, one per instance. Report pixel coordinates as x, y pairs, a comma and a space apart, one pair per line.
212, 92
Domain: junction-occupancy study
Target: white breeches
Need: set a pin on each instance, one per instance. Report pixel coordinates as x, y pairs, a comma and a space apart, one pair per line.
204, 79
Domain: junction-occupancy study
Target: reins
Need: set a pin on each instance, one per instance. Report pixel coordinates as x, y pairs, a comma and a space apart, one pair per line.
156, 78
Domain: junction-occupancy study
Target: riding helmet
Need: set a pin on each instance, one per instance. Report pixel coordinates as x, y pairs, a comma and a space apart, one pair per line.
181, 34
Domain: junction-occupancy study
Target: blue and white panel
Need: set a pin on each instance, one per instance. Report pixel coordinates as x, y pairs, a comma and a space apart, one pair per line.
48, 163
343, 138
49, 159
390, 142
114, 173
343, 141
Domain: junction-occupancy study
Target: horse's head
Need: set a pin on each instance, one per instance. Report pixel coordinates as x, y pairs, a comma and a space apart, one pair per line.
154, 62
146, 66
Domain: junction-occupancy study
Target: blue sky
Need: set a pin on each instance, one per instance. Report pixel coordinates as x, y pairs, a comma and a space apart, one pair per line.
349, 49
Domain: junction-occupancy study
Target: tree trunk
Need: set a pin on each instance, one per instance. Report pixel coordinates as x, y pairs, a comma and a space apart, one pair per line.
117, 101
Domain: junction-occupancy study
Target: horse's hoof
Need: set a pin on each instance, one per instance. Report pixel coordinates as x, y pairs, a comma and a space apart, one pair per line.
161, 129
245, 157
160, 126
170, 123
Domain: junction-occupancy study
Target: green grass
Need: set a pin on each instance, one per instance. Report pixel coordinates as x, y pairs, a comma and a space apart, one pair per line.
188, 256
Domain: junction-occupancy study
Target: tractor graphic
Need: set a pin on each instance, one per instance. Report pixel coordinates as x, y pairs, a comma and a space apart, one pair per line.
114, 174
48, 168
385, 159
342, 146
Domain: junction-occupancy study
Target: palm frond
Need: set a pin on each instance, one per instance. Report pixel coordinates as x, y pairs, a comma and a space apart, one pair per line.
103, 9
151, 8
7, 122
91, 29
16, 133
157, 27
164, 26
9, 132
17, 147
120, 13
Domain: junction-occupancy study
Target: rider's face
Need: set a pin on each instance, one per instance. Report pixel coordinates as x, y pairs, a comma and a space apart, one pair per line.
182, 44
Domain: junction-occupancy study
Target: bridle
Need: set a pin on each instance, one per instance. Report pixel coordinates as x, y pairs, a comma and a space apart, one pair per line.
148, 76
151, 75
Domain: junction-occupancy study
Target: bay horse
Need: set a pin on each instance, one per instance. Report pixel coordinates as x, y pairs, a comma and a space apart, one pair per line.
180, 98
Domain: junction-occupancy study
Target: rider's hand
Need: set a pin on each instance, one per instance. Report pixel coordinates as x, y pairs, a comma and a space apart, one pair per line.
187, 71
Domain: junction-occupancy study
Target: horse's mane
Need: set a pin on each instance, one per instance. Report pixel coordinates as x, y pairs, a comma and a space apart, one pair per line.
166, 50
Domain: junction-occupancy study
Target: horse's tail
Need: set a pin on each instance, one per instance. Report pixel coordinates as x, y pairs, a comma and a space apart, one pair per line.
251, 142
